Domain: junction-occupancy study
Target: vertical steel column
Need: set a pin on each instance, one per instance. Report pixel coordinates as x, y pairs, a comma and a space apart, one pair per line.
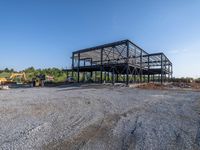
72, 65
83, 76
127, 64
171, 72
101, 65
141, 66
84, 62
113, 76
161, 69
169, 67
135, 55
134, 75
165, 69
104, 76
91, 74
67, 74
108, 76
78, 71
95, 73
153, 78
148, 69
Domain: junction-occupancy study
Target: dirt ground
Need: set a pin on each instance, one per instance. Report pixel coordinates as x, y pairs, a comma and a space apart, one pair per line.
170, 86
98, 117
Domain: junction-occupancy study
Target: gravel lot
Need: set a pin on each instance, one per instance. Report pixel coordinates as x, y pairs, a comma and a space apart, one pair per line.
99, 118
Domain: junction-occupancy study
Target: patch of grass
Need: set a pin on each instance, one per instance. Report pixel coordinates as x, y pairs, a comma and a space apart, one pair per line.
4, 75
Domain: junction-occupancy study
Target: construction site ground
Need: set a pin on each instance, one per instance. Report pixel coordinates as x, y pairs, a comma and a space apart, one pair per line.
99, 117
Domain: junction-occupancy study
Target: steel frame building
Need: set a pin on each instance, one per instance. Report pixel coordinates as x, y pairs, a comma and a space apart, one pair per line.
121, 61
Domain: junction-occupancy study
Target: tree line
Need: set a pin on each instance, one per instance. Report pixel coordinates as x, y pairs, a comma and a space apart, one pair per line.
58, 74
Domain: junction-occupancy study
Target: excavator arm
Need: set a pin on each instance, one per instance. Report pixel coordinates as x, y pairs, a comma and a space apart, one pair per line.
18, 75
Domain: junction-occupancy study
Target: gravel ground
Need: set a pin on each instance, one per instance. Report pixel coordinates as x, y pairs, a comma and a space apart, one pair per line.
99, 118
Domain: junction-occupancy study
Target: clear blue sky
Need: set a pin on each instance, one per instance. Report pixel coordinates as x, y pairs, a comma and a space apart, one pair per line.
43, 33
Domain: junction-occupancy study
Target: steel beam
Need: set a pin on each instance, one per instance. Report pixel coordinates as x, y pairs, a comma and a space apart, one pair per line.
127, 65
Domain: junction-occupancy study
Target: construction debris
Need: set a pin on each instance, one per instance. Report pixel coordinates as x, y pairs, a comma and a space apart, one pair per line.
175, 85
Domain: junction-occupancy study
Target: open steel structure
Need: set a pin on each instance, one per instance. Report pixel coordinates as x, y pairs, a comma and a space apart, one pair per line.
120, 62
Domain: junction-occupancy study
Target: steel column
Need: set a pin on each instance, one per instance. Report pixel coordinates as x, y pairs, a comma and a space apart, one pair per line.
113, 76
140, 67
148, 69
161, 68
101, 65
78, 71
127, 64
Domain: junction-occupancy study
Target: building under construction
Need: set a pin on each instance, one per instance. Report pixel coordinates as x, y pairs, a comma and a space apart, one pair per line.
120, 62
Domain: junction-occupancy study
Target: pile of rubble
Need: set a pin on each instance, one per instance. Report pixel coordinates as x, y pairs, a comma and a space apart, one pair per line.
192, 85
174, 85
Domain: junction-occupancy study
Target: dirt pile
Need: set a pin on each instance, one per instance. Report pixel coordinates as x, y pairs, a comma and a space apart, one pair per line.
192, 85
174, 85
151, 86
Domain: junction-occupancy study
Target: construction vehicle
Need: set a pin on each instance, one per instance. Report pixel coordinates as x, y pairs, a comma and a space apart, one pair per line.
38, 81
70, 80
3, 81
21, 76
49, 78
13, 76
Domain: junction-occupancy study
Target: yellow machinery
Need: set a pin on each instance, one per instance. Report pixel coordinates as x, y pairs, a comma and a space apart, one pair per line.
3, 81
39, 80
22, 77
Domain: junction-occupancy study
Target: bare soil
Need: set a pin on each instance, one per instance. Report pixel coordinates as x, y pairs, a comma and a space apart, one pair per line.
99, 117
